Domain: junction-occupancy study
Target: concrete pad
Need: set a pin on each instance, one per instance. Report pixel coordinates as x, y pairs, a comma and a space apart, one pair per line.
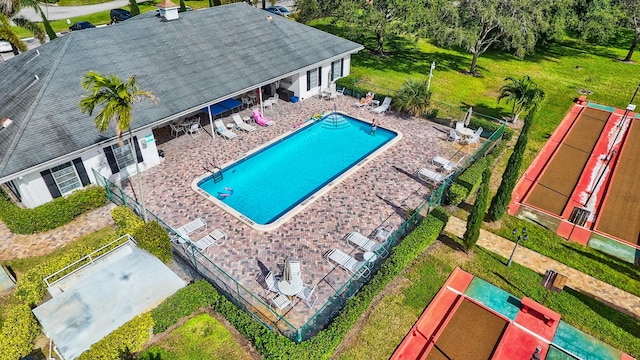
104, 296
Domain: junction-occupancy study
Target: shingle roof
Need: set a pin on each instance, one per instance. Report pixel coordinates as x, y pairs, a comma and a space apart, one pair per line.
204, 56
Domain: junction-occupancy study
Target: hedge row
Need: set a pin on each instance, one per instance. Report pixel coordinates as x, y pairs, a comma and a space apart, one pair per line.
467, 183
183, 303
153, 238
19, 332
51, 215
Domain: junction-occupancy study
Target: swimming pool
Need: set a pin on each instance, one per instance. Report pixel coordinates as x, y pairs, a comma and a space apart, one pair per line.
274, 182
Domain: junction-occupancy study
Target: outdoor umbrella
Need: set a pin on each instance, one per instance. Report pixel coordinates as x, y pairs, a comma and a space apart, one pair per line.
286, 276
467, 116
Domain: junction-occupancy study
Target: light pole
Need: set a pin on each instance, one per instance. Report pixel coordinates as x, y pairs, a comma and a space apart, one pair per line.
433, 66
522, 236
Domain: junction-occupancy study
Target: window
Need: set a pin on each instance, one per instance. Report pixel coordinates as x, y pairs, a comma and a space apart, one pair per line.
314, 78
336, 69
123, 154
66, 178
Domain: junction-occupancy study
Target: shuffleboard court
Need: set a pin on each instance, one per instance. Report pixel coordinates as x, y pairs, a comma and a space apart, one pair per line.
480, 329
620, 215
561, 176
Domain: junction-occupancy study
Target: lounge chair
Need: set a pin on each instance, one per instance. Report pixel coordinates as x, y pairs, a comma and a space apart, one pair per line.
384, 107
446, 164
192, 227
367, 100
223, 131
216, 237
431, 176
280, 302
350, 265
383, 233
241, 124
261, 120
356, 239
308, 295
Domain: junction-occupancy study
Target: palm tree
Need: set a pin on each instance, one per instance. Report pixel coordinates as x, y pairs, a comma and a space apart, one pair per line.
413, 97
117, 99
523, 93
9, 10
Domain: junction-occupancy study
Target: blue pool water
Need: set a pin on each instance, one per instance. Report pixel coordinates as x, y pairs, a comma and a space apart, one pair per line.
267, 184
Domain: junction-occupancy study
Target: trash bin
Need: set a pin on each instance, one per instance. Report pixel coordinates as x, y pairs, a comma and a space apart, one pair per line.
294, 99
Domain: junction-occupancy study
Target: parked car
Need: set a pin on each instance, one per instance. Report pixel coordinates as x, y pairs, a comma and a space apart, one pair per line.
81, 26
5, 46
118, 15
279, 10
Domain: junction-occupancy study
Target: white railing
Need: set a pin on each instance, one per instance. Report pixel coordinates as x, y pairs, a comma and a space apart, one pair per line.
88, 259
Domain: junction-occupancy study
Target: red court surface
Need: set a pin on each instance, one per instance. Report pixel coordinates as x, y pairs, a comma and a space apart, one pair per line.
583, 183
452, 316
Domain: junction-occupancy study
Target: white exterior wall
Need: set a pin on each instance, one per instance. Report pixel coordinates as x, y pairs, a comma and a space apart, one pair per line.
326, 70
34, 191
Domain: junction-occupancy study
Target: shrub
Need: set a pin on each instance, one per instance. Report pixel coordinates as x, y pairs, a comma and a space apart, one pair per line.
413, 97
466, 183
502, 198
18, 334
183, 303
51, 215
474, 221
128, 222
130, 337
153, 238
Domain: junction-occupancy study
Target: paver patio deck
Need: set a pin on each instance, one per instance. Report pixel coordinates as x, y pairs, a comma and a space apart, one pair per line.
379, 193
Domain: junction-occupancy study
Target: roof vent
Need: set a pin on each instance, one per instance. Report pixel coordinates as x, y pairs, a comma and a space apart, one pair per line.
168, 10
5, 123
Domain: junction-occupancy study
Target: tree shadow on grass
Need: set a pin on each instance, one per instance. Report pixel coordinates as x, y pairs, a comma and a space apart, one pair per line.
630, 270
451, 242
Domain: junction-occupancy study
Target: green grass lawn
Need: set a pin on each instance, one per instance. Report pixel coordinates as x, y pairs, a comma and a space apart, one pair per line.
393, 315
202, 337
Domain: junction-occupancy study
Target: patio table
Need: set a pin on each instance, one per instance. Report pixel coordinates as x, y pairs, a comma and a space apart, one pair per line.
465, 132
292, 287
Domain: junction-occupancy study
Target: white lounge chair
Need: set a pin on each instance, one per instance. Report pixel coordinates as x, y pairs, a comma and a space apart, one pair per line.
350, 265
446, 164
193, 226
384, 107
216, 237
223, 131
430, 176
356, 239
308, 295
383, 233
240, 124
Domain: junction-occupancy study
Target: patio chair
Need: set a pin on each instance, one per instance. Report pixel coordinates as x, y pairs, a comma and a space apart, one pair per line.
446, 164
216, 237
357, 240
192, 227
194, 129
268, 282
308, 295
223, 131
453, 135
475, 139
431, 176
261, 120
296, 269
247, 102
384, 107
280, 302
176, 129
240, 124
350, 265
459, 128
383, 233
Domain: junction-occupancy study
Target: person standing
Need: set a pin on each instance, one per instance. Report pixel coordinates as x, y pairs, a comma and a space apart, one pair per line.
374, 127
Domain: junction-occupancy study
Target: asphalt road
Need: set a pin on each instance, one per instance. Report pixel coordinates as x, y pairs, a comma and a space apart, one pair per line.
54, 12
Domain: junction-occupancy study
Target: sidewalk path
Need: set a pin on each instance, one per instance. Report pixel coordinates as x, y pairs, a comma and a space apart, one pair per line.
614, 297
14, 246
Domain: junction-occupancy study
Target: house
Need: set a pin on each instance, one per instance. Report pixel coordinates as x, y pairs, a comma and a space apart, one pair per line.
48, 147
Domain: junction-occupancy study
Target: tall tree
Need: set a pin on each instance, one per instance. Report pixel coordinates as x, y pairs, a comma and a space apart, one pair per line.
596, 21
474, 221
502, 198
116, 99
631, 9
9, 12
524, 94
478, 25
